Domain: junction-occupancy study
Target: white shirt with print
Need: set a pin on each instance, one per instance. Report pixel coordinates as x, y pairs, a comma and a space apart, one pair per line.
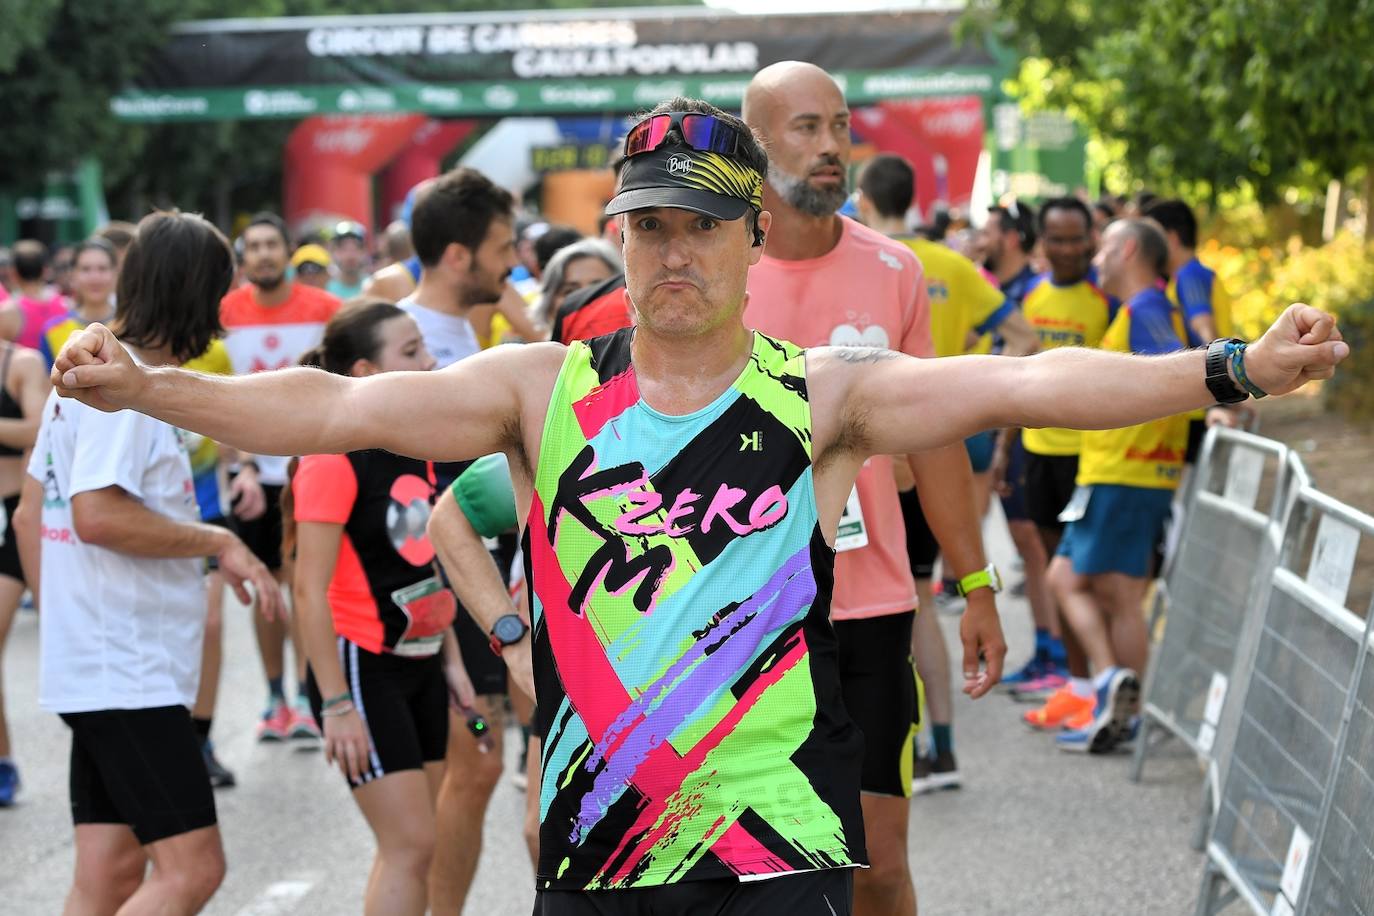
116, 631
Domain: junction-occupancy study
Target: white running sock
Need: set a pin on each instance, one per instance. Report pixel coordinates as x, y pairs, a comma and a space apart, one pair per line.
1082, 687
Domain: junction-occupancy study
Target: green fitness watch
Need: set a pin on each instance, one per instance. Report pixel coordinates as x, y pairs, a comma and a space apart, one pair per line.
987, 577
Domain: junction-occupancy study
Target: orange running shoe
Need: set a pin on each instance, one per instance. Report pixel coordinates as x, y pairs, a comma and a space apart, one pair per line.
1082, 720
1062, 706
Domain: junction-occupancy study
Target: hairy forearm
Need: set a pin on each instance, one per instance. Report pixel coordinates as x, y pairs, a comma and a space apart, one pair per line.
471, 570
112, 519
1077, 388
944, 483
285, 412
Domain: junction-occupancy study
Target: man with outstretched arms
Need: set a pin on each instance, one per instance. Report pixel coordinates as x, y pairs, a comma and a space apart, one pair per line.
681, 653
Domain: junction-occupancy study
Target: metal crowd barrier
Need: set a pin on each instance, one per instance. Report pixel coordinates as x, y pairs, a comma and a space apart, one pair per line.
1237, 502
1292, 832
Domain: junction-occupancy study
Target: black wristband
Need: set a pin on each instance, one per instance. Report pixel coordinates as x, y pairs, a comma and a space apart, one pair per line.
1218, 380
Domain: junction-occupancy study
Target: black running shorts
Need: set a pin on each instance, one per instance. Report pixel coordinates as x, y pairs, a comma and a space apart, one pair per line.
262, 535
9, 546
404, 703
878, 684
1049, 487
922, 550
141, 767
826, 892
1197, 431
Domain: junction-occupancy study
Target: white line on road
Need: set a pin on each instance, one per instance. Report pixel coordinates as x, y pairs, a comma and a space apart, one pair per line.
281, 897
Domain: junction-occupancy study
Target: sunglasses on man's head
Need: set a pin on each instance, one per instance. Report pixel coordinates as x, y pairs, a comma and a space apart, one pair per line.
701, 132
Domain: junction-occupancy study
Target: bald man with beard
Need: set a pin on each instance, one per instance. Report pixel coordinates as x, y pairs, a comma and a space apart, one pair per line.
827, 280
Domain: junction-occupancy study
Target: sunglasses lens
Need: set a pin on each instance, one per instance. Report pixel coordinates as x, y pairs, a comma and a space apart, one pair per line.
708, 134
647, 135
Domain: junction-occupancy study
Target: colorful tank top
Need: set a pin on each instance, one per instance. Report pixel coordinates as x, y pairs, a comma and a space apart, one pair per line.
685, 665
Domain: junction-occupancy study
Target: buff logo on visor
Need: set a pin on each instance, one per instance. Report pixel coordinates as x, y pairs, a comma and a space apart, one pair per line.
713, 172
710, 183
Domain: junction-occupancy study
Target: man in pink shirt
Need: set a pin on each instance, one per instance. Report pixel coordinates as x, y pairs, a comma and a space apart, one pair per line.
827, 280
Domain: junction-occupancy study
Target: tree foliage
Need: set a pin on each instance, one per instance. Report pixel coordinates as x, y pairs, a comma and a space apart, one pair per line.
1227, 92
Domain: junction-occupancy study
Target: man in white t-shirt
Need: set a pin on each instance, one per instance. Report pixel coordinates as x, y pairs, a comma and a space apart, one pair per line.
109, 509
463, 230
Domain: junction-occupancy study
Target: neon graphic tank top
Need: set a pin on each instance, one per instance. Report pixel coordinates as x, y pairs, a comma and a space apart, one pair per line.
685, 665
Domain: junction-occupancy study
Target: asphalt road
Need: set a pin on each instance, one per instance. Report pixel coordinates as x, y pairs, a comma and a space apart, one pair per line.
1033, 830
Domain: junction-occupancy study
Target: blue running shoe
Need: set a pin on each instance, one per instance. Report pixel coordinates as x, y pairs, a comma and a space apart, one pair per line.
1115, 714
9, 783
1032, 670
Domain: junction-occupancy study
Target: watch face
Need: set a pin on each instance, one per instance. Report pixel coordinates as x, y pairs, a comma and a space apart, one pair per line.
508, 629
994, 578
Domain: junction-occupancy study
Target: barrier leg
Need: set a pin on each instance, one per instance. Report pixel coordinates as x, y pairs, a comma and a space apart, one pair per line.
1204, 818
1142, 742
1209, 899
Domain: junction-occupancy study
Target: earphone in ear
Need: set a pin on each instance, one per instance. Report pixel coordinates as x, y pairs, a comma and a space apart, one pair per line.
758, 237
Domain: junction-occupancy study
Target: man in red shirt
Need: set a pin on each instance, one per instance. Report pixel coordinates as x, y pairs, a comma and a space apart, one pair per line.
269, 322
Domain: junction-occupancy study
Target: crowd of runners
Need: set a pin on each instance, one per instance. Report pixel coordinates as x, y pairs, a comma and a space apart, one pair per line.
674, 497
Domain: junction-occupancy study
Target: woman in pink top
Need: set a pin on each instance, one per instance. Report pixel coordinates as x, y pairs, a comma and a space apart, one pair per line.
34, 302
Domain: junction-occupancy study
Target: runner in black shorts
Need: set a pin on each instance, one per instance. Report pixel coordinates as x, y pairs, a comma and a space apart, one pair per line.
376, 618
23, 388
110, 499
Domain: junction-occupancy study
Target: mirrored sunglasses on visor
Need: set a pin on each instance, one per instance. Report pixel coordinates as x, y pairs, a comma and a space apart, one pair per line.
701, 132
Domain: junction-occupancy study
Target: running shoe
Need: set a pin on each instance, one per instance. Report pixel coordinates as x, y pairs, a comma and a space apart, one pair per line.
1079, 721
1032, 670
1062, 706
1116, 706
932, 774
276, 722
9, 783
1040, 689
220, 776
301, 724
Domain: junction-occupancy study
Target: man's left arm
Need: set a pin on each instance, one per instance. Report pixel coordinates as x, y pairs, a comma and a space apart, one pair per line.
896, 405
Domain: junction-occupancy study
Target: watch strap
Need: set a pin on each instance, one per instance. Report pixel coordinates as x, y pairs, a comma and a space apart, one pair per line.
1218, 380
497, 643
980, 578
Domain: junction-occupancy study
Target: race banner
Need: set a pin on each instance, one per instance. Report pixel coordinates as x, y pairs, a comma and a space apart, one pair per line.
556, 62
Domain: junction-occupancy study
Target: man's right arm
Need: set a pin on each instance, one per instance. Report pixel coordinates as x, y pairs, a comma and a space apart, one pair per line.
470, 409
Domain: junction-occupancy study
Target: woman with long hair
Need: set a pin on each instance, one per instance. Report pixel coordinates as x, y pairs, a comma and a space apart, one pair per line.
376, 617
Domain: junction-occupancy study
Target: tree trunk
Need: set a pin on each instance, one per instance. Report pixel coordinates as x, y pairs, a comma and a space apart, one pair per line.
1369, 202
1331, 218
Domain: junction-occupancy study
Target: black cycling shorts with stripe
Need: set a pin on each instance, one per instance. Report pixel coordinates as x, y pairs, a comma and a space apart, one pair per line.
404, 703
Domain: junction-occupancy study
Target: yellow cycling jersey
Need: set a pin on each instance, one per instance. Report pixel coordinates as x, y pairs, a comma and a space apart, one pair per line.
961, 300
1070, 315
1151, 454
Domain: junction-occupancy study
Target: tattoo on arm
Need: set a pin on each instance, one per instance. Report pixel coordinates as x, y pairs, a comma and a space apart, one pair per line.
863, 354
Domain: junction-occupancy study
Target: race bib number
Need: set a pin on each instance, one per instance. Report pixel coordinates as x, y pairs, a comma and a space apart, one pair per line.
851, 534
1078, 505
429, 608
